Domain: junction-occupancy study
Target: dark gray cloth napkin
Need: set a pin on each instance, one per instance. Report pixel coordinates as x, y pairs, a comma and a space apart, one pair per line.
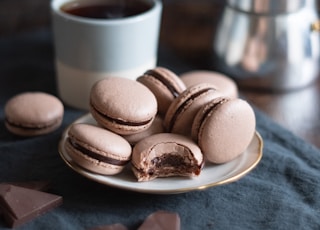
282, 192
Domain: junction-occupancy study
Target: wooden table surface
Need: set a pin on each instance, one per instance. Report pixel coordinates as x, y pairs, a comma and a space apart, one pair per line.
187, 29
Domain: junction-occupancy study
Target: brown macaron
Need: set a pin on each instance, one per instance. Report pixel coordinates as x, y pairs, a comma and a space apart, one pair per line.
165, 155
97, 149
182, 110
122, 105
224, 128
33, 113
164, 84
223, 83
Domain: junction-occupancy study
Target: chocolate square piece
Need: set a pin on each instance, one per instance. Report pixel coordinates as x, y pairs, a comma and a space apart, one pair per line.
161, 220
117, 226
20, 205
35, 185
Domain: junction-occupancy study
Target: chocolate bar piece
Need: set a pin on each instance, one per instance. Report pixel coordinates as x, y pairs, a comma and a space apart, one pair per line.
35, 185
161, 220
117, 226
20, 205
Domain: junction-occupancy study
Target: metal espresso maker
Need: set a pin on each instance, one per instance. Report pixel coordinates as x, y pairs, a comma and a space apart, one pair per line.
269, 44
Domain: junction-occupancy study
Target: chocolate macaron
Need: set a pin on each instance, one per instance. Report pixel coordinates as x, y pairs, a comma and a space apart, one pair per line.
122, 105
33, 113
182, 110
97, 149
165, 155
223, 83
224, 128
164, 84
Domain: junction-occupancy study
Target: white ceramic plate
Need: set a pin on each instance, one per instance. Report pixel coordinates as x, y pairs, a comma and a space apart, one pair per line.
211, 175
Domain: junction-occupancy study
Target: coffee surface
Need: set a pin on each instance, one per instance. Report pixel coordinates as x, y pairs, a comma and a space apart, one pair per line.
106, 9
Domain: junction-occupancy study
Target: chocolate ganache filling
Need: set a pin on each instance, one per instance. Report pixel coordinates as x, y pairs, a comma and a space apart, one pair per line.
173, 163
164, 81
96, 156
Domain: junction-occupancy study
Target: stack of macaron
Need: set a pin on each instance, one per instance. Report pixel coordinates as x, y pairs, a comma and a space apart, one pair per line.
163, 124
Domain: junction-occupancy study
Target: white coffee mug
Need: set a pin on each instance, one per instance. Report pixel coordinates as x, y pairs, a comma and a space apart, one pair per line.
89, 49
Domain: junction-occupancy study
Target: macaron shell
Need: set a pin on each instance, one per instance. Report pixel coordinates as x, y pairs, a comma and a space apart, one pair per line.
223, 83
99, 141
122, 105
33, 113
183, 109
227, 131
164, 92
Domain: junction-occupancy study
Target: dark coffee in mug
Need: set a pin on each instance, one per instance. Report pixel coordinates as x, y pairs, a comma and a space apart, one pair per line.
106, 9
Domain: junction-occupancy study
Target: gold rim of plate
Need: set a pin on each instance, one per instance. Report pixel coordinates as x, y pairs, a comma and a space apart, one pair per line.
110, 180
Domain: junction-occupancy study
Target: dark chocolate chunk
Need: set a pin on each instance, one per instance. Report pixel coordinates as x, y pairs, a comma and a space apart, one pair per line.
111, 227
35, 185
20, 205
161, 220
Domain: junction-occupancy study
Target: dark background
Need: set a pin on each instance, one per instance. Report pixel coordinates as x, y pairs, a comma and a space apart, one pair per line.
187, 30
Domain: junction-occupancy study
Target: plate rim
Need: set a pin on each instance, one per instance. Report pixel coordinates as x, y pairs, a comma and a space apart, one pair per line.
91, 175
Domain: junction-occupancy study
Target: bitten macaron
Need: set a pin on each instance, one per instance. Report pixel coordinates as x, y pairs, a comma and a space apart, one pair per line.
122, 105
97, 149
166, 155
164, 84
33, 113
224, 128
